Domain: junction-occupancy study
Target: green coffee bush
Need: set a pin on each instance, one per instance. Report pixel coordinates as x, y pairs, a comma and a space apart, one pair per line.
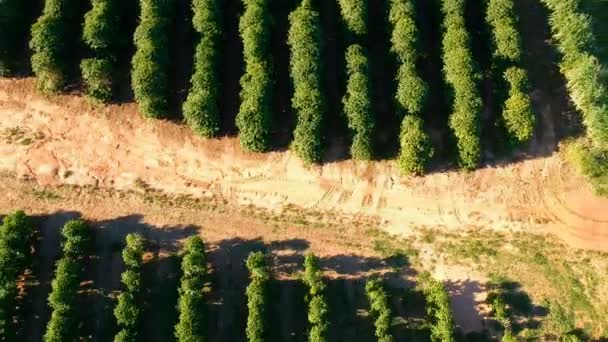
102, 36
150, 64
308, 101
127, 310
16, 234
437, 308
460, 73
254, 119
411, 89
503, 21
50, 44
380, 310
200, 109
416, 149
357, 103
517, 114
191, 324
63, 324
317, 303
257, 297
584, 74
97, 74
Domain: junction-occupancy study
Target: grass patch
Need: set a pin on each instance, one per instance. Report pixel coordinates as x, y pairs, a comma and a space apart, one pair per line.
21, 136
567, 284
396, 251
44, 194
591, 161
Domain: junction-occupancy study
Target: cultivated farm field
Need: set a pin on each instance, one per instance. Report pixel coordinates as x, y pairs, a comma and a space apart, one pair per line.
549, 288
291, 170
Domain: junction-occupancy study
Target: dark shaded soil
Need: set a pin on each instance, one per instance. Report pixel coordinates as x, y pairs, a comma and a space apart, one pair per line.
437, 109
73, 48
284, 117
556, 117
36, 309
22, 61
334, 45
231, 66
181, 43
480, 34
126, 50
383, 70
161, 283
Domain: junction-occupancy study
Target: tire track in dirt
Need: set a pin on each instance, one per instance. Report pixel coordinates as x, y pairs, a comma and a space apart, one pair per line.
580, 228
77, 149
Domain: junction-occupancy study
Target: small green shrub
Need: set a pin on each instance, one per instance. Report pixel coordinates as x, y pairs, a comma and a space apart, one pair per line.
63, 324
254, 119
304, 40
15, 257
354, 14
501, 312
191, 324
460, 73
51, 45
378, 299
257, 296
127, 310
518, 114
357, 103
317, 303
438, 309
200, 109
150, 64
102, 36
416, 148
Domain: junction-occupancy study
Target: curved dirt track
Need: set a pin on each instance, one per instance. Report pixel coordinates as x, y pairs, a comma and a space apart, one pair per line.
68, 140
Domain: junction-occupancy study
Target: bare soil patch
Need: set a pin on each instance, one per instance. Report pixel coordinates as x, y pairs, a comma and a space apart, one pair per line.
66, 140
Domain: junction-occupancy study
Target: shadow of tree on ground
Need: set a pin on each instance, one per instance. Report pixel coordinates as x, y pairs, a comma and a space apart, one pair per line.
226, 314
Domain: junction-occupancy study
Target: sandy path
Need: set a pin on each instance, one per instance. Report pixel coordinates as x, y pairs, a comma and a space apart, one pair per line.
66, 140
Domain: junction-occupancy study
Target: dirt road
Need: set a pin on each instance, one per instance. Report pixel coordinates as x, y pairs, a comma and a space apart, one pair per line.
67, 140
